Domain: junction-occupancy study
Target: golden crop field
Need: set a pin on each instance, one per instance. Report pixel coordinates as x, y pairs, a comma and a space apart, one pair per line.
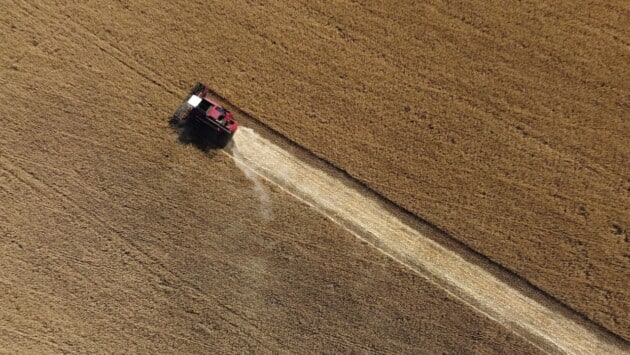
504, 127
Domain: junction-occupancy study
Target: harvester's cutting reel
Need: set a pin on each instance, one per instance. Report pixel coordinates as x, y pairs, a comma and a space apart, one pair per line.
184, 109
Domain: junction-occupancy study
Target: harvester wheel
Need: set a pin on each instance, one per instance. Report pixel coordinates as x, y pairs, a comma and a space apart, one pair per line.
223, 140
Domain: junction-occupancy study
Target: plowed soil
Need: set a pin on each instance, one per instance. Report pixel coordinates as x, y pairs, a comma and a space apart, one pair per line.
506, 127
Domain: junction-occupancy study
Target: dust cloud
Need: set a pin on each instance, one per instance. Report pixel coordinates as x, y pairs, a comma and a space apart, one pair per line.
262, 192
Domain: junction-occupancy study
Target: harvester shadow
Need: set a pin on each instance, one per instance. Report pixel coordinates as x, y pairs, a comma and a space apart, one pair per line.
193, 133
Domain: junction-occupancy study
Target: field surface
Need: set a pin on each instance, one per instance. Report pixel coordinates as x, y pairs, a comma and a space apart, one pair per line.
505, 127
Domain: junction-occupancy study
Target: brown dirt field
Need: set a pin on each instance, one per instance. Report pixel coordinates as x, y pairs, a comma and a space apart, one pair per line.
114, 237
506, 126
109, 230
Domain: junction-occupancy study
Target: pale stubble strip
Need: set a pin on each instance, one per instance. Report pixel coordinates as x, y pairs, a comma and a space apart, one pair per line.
345, 203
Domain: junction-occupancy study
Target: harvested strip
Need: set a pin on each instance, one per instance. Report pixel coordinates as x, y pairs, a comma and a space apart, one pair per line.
353, 207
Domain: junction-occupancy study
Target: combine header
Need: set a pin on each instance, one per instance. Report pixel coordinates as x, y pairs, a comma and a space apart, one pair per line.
205, 118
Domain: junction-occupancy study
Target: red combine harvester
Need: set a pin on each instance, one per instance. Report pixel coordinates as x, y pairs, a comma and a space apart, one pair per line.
205, 118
